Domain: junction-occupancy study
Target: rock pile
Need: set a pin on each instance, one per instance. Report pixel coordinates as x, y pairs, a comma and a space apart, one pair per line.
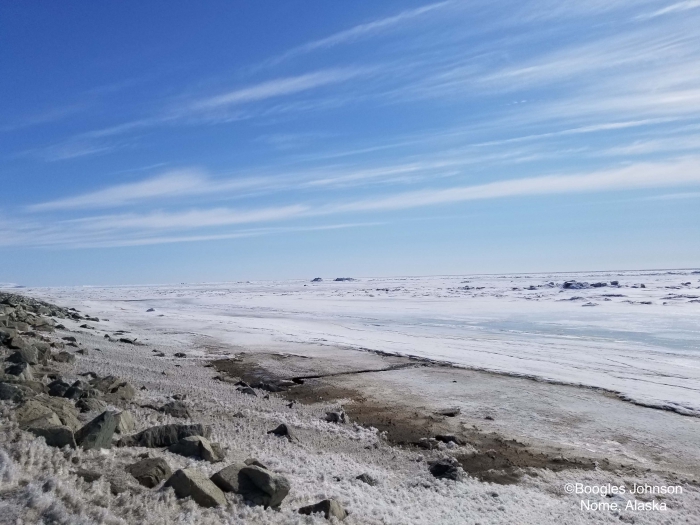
46, 404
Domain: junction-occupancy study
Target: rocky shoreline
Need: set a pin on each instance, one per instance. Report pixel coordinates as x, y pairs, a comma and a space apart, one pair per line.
49, 407
176, 439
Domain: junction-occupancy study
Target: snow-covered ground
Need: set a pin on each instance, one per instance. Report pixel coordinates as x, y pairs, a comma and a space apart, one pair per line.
642, 342
648, 352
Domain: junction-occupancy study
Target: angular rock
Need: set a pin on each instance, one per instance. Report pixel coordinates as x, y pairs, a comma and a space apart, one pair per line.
227, 478
196, 446
32, 410
70, 339
328, 507
218, 451
98, 432
262, 487
122, 392
105, 384
22, 371
193, 483
18, 343
180, 355
366, 478
56, 435
91, 393
176, 409
254, 482
150, 472
90, 404
336, 417
283, 431
58, 388
65, 410
163, 435
14, 393
447, 468
64, 357
125, 422
76, 390
29, 355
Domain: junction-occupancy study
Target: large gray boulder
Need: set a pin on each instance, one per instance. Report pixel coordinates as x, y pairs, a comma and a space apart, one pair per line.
76, 390
15, 393
28, 354
196, 446
32, 410
98, 432
65, 410
22, 371
56, 435
255, 483
227, 478
58, 388
262, 487
163, 435
193, 483
150, 472
17, 342
330, 508
114, 388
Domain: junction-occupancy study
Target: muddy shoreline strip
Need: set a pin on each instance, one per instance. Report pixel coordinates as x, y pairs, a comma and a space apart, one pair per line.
495, 459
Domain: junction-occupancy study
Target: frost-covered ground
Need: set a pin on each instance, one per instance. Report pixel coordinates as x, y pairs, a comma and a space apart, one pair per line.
643, 343
38, 484
648, 352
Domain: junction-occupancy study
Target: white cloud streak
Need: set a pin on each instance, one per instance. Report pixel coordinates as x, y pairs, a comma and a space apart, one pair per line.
357, 32
635, 177
179, 182
135, 228
278, 87
678, 7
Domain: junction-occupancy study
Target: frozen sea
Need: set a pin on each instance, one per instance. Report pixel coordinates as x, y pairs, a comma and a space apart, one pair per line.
639, 338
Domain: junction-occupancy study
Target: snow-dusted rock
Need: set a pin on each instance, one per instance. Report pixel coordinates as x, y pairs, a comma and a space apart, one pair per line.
193, 483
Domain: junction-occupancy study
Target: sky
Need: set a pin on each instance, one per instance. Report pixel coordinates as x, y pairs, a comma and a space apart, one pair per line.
165, 142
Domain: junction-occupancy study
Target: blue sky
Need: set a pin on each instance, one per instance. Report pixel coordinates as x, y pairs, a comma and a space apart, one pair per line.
207, 141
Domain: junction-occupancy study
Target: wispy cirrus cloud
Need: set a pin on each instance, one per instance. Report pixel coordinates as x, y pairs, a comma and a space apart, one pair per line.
639, 176
138, 228
359, 31
276, 88
173, 183
678, 7
188, 219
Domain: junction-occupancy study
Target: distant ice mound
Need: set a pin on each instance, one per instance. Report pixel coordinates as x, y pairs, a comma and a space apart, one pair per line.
575, 285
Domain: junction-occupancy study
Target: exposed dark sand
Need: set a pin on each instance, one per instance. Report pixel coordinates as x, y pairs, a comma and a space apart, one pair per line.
496, 458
